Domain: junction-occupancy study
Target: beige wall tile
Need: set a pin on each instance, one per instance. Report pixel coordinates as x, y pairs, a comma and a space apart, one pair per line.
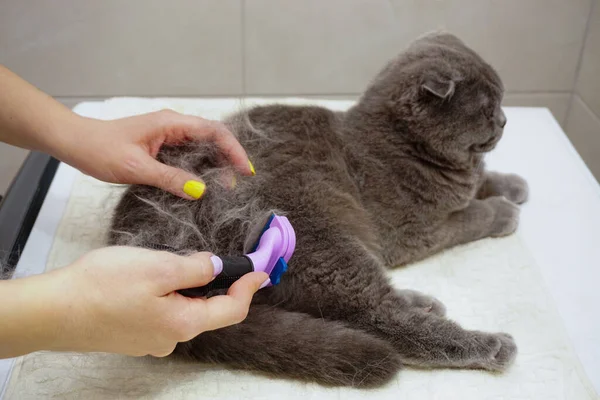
558, 103
193, 47
134, 47
333, 46
337, 46
534, 44
583, 129
588, 83
11, 159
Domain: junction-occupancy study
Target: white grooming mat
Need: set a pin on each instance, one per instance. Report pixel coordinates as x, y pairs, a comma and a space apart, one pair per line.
494, 285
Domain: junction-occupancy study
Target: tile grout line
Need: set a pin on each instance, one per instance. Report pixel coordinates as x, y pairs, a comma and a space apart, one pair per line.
203, 95
587, 108
244, 94
525, 92
243, 44
580, 61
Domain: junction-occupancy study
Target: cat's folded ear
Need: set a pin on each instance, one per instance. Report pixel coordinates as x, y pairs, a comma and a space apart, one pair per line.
439, 87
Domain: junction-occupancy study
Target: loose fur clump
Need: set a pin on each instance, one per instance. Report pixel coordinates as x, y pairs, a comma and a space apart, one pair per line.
396, 178
186, 226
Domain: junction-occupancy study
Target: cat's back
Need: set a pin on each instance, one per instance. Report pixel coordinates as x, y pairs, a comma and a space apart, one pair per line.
295, 147
286, 126
301, 171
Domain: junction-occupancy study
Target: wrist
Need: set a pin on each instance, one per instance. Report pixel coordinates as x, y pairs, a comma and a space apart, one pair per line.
67, 136
60, 306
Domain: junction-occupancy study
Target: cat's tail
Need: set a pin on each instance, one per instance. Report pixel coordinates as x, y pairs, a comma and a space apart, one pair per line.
299, 346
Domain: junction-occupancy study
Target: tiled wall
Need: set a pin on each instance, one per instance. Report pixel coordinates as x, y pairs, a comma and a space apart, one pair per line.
76, 50
583, 121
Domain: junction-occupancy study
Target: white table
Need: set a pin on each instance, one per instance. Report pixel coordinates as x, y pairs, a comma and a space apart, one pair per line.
560, 224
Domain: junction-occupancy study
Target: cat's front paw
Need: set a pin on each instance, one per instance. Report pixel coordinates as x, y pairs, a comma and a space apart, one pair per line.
506, 217
511, 186
515, 189
494, 352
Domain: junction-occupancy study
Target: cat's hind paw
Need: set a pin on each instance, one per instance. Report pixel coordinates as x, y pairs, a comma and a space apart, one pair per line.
496, 352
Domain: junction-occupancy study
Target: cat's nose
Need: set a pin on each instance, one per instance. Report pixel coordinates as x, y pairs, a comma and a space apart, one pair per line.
501, 120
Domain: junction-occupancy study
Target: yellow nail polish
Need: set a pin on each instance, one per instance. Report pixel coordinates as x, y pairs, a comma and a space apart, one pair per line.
194, 189
251, 168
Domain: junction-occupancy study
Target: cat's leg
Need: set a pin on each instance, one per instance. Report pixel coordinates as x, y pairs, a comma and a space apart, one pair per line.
430, 340
420, 302
299, 346
491, 217
427, 340
352, 286
420, 338
511, 186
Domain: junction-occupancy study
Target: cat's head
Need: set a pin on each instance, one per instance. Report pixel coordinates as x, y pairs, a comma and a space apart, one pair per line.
443, 95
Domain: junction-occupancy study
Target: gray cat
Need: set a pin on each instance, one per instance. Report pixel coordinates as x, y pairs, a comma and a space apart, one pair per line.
396, 178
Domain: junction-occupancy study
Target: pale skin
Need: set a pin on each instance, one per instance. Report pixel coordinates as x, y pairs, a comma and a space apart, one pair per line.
117, 299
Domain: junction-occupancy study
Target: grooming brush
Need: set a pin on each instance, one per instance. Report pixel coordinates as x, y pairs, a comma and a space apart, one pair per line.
270, 254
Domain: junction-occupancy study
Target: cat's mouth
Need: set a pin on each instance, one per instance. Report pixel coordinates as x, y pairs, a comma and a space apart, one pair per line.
487, 146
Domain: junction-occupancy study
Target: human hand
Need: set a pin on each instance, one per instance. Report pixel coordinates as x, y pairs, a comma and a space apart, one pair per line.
124, 150
118, 151
124, 300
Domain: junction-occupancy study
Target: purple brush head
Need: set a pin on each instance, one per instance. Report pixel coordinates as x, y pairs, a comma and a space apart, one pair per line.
274, 249
271, 255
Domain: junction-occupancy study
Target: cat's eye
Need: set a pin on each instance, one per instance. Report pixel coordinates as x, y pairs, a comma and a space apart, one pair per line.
486, 106
488, 114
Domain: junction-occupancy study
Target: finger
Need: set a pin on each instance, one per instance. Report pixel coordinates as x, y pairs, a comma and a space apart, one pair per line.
229, 146
164, 352
173, 180
221, 311
194, 270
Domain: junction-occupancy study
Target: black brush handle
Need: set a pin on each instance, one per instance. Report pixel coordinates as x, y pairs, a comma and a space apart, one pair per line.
234, 267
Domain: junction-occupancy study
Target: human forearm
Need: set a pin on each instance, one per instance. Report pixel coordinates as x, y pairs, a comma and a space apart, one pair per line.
31, 119
123, 150
119, 300
30, 315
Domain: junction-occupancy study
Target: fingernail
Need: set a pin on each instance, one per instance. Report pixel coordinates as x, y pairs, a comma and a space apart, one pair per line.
265, 283
194, 189
251, 168
217, 265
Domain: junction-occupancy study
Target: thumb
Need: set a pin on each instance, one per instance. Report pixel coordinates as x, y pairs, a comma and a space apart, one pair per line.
184, 272
221, 311
173, 180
